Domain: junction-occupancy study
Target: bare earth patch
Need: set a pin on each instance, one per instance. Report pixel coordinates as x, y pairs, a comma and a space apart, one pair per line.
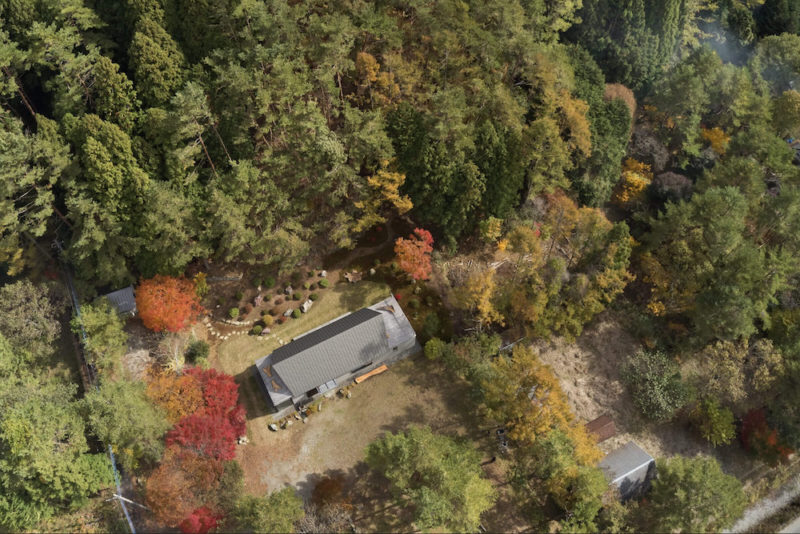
589, 371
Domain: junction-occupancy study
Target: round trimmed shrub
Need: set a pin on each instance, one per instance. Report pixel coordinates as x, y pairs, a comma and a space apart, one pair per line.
197, 349
313, 296
306, 285
256, 329
297, 295
278, 301
324, 283
239, 295
413, 304
268, 320
256, 282
273, 311
656, 384
296, 314
220, 301
269, 282
234, 313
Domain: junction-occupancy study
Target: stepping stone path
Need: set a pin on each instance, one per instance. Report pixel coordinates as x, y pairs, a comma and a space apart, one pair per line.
213, 332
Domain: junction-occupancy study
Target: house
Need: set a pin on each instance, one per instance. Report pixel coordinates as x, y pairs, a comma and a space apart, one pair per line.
123, 300
335, 354
630, 469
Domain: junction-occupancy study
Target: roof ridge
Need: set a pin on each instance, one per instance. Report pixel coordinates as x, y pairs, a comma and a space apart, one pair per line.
323, 334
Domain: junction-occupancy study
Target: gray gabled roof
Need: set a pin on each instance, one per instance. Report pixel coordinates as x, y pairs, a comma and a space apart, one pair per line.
123, 300
331, 351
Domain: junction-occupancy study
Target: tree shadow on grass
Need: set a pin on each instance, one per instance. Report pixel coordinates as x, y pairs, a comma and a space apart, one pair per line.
252, 394
365, 492
355, 298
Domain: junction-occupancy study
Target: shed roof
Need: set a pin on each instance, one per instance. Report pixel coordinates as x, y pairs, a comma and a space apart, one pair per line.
603, 428
628, 467
331, 351
123, 300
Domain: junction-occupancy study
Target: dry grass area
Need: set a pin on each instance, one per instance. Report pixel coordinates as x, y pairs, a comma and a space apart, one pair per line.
589, 373
332, 442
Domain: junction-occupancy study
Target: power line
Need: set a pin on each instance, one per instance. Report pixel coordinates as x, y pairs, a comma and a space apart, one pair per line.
91, 379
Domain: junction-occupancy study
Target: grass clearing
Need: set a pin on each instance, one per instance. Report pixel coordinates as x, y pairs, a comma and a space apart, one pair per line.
238, 354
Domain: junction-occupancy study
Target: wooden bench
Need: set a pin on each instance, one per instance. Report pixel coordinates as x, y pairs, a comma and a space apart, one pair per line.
376, 371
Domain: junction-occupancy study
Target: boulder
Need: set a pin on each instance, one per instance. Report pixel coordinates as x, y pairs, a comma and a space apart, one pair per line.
288, 312
306, 306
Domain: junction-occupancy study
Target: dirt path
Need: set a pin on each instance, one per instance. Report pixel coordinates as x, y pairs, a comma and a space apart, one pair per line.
769, 506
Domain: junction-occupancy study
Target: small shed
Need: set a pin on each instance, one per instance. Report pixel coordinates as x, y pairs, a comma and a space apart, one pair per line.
123, 300
630, 469
603, 428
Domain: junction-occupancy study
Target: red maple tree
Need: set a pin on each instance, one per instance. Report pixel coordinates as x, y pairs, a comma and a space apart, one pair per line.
200, 521
414, 254
167, 303
208, 434
221, 397
760, 439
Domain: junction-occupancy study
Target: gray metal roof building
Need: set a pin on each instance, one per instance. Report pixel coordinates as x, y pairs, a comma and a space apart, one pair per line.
335, 352
629, 468
123, 300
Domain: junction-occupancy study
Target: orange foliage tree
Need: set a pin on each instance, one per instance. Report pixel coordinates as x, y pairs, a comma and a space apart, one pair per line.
414, 254
178, 395
166, 303
183, 482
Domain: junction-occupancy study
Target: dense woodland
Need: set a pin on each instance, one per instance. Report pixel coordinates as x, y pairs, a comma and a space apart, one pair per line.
628, 155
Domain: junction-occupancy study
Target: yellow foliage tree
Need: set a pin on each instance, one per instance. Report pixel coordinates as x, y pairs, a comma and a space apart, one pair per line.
384, 189
374, 86
717, 138
476, 296
524, 394
636, 176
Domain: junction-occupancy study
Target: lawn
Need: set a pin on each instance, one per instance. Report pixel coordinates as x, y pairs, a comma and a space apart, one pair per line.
236, 356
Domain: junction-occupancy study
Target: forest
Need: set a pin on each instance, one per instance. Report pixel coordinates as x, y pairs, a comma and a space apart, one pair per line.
545, 167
